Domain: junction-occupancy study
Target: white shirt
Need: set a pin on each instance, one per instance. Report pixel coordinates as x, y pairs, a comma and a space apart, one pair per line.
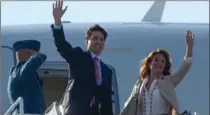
153, 101
99, 65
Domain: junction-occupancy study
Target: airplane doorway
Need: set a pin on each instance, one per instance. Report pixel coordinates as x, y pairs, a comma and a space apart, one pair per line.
55, 79
54, 89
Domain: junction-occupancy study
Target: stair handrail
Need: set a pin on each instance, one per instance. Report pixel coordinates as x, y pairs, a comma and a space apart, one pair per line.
12, 107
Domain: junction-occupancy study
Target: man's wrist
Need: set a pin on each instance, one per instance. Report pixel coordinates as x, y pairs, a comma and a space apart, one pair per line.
57, 22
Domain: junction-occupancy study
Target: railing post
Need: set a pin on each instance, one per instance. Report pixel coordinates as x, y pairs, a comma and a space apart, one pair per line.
21, 106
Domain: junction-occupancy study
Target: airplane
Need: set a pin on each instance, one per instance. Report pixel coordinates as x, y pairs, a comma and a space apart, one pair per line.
126, 45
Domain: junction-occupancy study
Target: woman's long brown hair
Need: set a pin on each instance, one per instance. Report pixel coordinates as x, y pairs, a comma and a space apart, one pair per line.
145, 69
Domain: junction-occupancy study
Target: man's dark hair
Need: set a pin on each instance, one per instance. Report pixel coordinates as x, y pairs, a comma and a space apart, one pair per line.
93, 28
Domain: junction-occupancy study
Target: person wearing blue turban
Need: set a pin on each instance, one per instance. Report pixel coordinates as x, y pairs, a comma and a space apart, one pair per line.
24, 80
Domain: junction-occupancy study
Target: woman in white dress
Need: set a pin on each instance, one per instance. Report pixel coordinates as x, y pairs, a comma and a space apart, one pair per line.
154, 93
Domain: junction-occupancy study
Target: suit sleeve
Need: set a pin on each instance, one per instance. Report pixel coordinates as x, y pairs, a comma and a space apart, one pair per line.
106, 103
64, 48
32, 65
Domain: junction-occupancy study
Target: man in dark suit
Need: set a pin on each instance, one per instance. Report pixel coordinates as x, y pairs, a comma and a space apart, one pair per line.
24, 80
90, 86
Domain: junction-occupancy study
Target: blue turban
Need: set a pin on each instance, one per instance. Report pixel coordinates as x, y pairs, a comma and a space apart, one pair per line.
27, 44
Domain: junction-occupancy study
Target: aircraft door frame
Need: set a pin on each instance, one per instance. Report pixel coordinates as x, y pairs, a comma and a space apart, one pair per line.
115, 90
10, 48
6, 53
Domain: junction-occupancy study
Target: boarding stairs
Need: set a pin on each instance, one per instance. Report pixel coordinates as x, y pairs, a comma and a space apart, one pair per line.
20, 102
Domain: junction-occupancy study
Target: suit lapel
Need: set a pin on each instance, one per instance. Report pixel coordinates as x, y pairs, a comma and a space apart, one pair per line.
103, 72
142, 86
92, 66
90, 57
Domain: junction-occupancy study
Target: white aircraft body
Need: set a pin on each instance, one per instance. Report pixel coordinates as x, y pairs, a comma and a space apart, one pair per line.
126, 45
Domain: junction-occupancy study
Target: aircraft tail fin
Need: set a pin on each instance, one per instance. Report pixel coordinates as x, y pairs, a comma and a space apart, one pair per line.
154, 14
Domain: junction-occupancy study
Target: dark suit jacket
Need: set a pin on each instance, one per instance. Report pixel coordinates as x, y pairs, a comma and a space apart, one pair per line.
82, 85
